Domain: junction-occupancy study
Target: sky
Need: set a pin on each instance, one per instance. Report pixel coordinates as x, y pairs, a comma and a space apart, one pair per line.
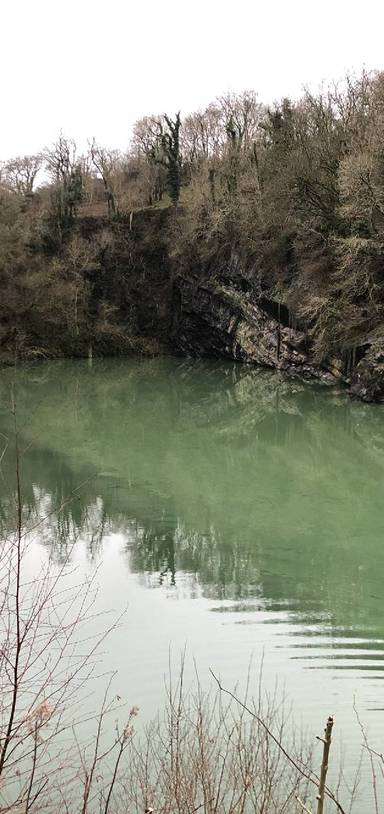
91, 68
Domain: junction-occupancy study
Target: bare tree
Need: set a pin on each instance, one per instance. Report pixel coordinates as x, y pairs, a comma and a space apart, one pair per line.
20, 173
107, 164
146, 138
146, 148
65, 171
245, 114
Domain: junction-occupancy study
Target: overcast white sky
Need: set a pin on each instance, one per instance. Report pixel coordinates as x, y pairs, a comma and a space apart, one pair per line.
92, 67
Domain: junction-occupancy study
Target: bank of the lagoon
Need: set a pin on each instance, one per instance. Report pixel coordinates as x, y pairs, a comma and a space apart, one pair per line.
230, 509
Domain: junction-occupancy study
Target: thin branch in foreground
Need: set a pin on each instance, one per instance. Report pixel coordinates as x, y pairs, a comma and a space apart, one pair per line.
370, 752
307, 773
303, 806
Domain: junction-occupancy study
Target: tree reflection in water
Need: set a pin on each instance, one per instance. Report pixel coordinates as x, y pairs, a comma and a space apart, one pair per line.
248, 483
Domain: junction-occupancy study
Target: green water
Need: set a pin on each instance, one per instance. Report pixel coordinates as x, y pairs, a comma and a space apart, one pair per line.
233, 510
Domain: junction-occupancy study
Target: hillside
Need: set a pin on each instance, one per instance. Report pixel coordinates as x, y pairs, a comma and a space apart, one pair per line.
243, 231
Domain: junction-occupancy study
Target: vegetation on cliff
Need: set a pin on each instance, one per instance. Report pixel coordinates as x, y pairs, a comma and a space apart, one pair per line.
294, 192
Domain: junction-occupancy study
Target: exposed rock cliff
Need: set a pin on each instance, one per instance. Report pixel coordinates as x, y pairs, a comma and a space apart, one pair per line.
139, 295
367, 380
214, 319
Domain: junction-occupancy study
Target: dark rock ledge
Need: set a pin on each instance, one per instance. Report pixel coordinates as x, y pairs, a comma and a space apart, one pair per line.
212, 319
367, 380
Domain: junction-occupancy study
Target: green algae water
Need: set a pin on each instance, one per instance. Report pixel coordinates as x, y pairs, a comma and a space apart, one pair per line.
233, 511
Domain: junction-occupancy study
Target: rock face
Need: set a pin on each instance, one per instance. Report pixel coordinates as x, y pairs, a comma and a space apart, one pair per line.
219, 320
367, 380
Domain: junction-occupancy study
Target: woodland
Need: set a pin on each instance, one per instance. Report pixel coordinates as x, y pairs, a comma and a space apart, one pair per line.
92, 245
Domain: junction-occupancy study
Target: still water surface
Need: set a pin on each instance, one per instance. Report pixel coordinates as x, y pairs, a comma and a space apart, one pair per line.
232, 510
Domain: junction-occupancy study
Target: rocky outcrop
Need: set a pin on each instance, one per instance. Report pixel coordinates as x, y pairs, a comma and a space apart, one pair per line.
142, 297
215, 319
367, 379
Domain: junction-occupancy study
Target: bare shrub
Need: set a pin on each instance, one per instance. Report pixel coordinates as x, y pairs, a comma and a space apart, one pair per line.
205, 753
47, 658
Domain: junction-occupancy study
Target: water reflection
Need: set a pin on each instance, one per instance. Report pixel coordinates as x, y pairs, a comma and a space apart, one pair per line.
244, 487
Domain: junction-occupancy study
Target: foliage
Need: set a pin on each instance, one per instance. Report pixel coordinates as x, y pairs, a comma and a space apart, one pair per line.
296, 191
